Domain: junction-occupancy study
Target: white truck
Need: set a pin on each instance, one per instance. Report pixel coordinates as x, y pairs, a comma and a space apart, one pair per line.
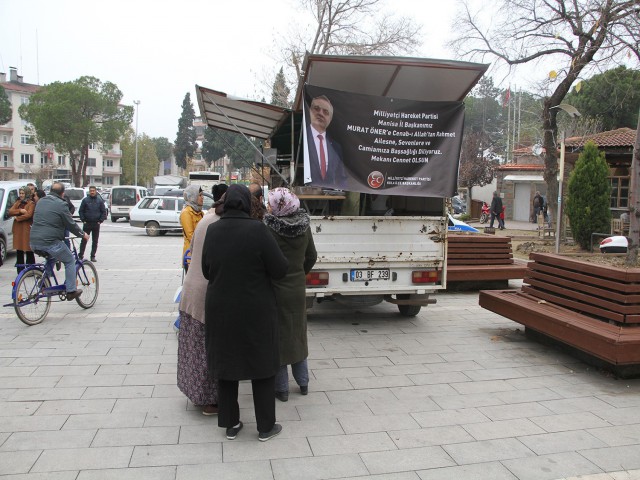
362, 259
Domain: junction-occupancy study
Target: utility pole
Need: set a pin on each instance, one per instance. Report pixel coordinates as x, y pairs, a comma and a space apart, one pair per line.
137, 102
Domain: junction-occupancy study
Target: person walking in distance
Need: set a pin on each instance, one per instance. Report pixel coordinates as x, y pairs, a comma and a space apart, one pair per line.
496, 211
240, 259
50, 220
92, 213
289, 225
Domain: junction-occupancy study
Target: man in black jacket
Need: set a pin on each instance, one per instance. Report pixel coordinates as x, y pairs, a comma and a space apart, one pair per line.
92, 213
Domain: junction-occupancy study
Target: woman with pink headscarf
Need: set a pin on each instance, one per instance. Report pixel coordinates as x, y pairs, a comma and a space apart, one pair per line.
289, 224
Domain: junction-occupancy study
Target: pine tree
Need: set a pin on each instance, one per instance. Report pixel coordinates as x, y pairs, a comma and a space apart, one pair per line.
280, 92
588, 195
185, 145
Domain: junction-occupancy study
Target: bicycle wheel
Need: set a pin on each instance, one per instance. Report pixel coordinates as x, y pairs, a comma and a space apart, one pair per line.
87, 280
31, 307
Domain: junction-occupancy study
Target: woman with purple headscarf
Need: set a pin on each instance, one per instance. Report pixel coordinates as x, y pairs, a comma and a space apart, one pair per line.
289, 224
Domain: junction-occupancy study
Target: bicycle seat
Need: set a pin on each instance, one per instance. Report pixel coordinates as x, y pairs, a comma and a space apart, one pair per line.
41, 253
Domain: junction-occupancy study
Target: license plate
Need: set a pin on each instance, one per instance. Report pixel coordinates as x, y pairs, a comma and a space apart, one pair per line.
368, 274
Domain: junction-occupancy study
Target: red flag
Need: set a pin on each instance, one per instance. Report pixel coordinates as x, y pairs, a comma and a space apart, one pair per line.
507, 96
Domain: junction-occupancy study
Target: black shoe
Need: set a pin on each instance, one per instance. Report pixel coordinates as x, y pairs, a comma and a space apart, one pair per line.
282, 396
93, 259
265, 436
304, 389
232, 432
81, 256
73, 295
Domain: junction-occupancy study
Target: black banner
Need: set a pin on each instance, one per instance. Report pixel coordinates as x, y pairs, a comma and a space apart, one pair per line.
389, 146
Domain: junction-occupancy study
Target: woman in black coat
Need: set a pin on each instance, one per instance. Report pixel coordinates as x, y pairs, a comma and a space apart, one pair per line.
239, 258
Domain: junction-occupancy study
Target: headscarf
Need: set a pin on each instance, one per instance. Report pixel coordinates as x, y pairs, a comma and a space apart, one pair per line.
283, 202
191, 197
27, 192
218, 190
237, 197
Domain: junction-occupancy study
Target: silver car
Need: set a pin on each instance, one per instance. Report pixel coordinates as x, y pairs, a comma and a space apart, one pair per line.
159, 214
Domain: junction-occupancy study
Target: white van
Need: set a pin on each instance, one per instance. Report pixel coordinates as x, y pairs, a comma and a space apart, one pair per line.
8, 196
123, 198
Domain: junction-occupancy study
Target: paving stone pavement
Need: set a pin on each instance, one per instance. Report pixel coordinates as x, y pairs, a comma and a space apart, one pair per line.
456, 392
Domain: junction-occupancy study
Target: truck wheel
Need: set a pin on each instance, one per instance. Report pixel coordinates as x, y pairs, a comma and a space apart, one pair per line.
114, 219
409, 310
153, 229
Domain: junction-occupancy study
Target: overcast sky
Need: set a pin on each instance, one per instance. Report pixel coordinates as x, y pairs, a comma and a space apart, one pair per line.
157, 51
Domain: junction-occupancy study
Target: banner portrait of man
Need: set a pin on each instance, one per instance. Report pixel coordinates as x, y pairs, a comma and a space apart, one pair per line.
370, 144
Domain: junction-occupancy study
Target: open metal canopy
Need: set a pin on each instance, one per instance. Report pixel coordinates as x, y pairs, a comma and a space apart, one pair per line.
409, 78
254, 119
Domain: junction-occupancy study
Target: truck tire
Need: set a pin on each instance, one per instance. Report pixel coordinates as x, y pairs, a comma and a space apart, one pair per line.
114, 219
409, 310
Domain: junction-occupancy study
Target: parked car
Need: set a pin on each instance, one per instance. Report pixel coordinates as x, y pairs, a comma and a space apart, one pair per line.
76, 194
160, 214
123, 199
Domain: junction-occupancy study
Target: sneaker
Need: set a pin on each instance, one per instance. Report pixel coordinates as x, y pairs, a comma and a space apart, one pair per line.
282, 396
232, 432
93, 259
73, 295
265, 436
304, 389
210, 410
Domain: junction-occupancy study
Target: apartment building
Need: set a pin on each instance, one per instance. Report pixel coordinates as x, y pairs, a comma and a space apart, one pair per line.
21, 158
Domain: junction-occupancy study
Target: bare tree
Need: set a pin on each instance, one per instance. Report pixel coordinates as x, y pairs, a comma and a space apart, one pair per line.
475, 169
349, 27
576, 34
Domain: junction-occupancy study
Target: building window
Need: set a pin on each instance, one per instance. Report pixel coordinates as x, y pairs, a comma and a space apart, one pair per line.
108, 180
619, 192
108, 163
26, 158
5, 140
25, 139
92, 146
43, 158
91, 162
5, 159
24, 100
61, 160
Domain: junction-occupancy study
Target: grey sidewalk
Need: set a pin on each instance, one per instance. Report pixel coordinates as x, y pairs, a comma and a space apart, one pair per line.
456, 392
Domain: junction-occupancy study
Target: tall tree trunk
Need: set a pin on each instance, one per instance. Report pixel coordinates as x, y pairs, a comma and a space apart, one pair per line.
551, 156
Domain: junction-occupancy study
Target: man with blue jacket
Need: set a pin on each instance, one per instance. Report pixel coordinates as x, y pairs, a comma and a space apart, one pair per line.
92, 213
50, 220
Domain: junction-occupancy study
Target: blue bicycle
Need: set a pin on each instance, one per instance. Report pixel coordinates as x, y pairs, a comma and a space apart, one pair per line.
36, 286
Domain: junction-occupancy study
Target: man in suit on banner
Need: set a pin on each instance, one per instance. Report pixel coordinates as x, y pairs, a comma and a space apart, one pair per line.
325, 155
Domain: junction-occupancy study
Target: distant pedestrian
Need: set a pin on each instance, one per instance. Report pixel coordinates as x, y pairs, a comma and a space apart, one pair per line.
22, 211
191, 214
92, 213
289, 225
194, 378
496, 211
538, 205
240, 259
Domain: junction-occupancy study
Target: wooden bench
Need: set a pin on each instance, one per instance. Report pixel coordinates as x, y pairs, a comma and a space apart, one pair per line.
480, 257
592, 308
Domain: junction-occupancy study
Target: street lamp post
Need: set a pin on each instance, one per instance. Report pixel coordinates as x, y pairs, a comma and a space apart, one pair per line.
137, 102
